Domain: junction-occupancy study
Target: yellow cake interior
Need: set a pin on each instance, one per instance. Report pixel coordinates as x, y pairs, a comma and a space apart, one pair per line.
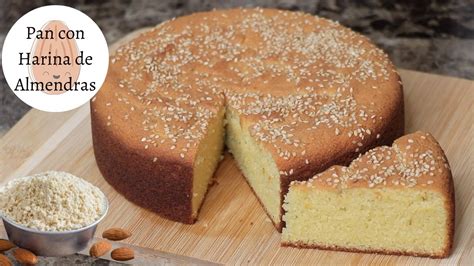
366, 218
256, 163
207, 159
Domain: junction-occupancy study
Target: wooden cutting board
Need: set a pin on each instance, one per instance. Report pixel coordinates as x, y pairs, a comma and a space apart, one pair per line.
232, 227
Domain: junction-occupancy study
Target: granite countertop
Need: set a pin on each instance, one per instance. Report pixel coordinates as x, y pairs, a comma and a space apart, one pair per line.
430, 36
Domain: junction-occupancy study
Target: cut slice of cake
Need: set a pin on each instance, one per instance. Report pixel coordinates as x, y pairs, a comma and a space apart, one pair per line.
391, 200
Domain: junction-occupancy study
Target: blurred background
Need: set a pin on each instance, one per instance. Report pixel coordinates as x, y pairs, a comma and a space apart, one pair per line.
429, 36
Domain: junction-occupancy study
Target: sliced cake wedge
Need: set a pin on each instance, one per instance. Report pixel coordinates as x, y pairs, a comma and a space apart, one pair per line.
391, 200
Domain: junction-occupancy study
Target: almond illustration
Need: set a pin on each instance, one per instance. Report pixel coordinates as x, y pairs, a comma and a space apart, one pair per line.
56, 48
116, 234
6, 245
100, 248
5, 261
122, 254
24, 256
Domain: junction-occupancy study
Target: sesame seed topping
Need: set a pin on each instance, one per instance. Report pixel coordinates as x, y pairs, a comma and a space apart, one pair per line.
175, 79
384, 165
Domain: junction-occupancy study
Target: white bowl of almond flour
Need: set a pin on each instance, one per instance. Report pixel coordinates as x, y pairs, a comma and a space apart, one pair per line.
51, 213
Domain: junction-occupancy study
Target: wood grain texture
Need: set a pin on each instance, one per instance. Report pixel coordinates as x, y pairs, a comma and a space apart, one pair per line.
232, 227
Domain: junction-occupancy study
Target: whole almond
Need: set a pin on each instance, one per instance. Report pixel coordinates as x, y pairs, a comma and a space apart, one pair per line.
6, 245
116, 234
100, 248
122, 254
5, 261
24, 256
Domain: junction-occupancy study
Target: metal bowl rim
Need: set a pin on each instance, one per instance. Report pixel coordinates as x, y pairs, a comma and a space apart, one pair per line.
32, 230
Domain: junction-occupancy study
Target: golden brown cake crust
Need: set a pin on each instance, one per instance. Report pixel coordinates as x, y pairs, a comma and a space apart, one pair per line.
445, 253
312, 92
169, 196
414, 161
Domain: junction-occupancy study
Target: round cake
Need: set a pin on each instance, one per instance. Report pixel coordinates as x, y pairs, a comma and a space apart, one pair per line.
288, 93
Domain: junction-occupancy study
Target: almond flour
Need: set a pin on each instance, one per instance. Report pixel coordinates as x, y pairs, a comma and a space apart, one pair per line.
52, 201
